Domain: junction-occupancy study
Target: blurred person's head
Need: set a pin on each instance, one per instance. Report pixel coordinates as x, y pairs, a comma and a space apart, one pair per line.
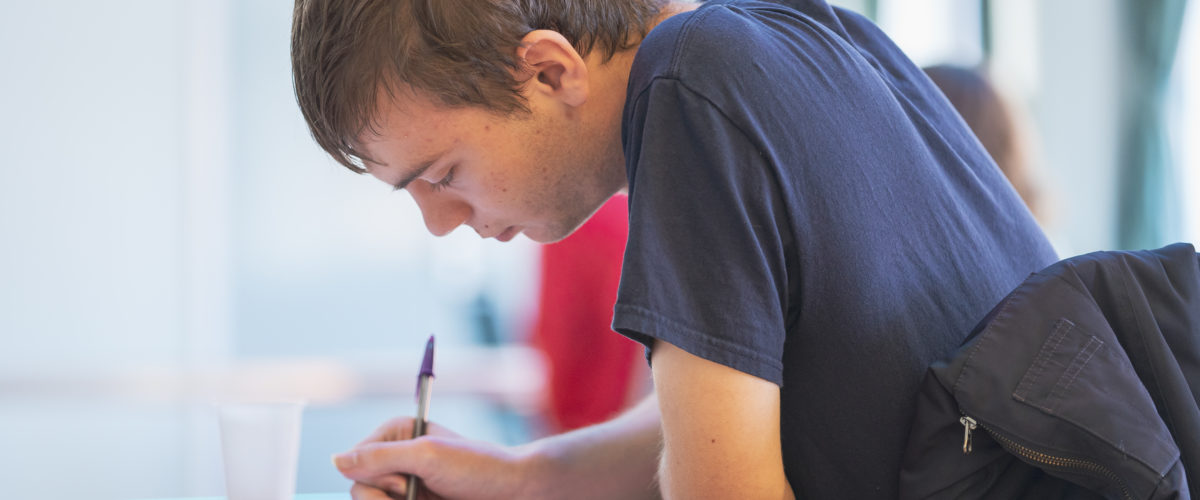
994, 123
499, 114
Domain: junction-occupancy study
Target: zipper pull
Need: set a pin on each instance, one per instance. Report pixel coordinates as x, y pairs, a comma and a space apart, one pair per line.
968, 424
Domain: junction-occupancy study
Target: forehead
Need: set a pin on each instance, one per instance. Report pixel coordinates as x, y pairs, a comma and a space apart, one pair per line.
407, 128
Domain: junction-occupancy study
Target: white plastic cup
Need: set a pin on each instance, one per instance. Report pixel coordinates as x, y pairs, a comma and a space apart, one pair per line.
260, 443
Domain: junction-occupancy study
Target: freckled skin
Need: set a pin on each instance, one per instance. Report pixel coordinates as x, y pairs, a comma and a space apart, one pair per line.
542, 173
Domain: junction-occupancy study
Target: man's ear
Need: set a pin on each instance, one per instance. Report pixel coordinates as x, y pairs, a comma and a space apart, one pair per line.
554, 67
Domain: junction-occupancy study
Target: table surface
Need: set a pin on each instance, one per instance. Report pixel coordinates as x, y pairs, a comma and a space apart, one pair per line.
304, 496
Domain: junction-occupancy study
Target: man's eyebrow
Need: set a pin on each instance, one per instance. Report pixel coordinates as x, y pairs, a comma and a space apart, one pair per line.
417, 171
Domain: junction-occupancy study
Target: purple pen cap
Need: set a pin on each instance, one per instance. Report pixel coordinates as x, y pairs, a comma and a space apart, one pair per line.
426, 367
427, 363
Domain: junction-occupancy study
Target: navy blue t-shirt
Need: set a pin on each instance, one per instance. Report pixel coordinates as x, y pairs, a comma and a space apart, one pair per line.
807, 208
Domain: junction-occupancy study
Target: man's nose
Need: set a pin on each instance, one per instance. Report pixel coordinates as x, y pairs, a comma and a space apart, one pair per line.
442, 212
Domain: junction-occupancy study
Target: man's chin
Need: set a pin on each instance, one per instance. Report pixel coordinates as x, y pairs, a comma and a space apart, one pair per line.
542, 238
544, 235
559, 230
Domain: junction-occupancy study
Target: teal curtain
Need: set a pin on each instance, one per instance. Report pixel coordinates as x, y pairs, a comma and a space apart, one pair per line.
985, 30
1149, 197
871, 8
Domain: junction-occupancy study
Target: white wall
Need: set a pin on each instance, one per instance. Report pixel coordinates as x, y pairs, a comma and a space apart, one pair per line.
1186, 120
90, 240
91, 185
1075, 111
166, 222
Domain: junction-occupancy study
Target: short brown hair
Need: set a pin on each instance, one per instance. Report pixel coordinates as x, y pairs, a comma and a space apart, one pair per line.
459, 52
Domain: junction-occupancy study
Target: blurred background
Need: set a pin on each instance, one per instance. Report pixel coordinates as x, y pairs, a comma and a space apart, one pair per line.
170, 236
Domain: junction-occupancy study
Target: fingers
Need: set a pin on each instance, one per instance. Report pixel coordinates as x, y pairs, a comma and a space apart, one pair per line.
360, 491
373, 460
401, 428
395, 429
391, 487
450, 467
381, 462
393, 484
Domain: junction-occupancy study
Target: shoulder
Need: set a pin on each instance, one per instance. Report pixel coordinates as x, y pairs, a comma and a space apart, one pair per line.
723, 46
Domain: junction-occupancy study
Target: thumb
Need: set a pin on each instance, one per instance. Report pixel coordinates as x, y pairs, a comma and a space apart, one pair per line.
382, 458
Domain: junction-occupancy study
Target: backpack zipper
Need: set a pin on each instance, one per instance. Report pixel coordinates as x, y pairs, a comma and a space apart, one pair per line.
969, 424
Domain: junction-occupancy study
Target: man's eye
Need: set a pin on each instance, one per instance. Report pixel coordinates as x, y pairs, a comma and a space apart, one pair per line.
445, 182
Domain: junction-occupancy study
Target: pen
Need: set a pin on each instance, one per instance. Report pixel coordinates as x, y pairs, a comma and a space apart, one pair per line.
423, 380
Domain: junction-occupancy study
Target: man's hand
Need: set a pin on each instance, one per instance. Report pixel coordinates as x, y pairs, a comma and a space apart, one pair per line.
449, 466
720, 429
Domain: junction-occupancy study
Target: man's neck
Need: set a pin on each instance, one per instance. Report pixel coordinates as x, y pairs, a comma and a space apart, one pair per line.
608, 81
610, 78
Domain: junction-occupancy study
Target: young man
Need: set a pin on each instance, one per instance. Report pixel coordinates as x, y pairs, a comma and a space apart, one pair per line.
810, 223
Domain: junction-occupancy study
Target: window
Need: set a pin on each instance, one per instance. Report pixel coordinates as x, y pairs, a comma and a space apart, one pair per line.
1185, 122
935, 31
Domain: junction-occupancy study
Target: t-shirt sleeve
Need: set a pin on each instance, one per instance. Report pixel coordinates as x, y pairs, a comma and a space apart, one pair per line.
705, 265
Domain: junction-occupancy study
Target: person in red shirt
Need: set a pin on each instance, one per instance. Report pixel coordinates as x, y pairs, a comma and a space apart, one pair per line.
593, 372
